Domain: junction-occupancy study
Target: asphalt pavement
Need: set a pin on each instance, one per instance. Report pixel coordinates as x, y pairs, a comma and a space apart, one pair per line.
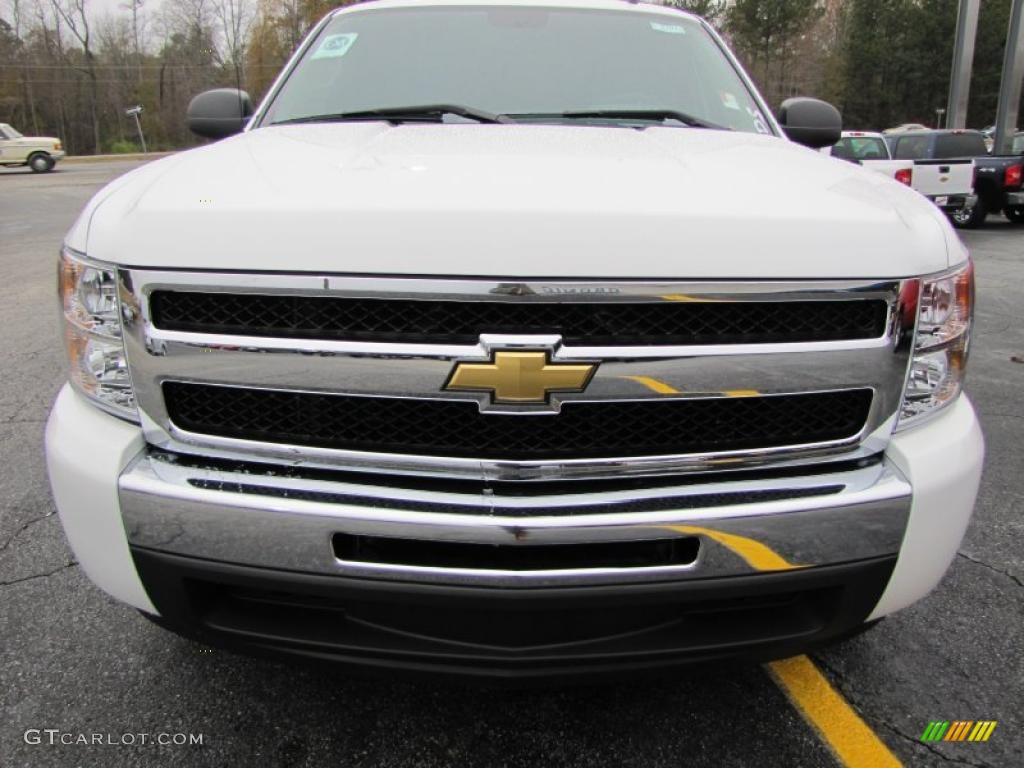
76, 662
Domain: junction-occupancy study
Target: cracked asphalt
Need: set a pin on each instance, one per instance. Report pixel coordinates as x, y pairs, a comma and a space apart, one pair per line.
75, 660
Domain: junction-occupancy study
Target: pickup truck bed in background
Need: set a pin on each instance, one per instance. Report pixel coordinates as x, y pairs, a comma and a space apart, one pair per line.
947, 183
997, 180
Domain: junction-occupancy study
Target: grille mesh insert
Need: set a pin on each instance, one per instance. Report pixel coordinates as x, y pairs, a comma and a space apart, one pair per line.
458, 429
462, 322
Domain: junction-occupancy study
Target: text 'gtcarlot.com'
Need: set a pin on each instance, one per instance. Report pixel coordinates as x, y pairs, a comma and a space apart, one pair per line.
54, 736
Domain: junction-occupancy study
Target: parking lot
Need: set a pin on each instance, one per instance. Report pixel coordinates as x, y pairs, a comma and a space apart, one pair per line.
73, 659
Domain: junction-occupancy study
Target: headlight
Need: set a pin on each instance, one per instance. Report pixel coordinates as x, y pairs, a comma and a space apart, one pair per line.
92, 334
936, 375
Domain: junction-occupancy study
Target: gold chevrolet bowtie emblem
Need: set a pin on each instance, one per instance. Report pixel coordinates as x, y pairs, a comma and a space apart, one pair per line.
521, 377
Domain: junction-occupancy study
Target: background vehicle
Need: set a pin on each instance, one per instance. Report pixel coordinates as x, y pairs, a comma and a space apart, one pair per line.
1018, 144
40, 153
989, 134
904, 128
997, 182
1014, 210
871, 151
466, 353
941, 172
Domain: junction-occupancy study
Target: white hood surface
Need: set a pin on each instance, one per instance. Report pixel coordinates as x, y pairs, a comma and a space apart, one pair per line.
51, 140
516, 201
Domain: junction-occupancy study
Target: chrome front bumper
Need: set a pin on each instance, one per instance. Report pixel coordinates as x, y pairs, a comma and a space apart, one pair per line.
271, 517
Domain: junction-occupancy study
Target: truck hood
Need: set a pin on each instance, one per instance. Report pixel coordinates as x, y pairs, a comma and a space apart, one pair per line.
515, 201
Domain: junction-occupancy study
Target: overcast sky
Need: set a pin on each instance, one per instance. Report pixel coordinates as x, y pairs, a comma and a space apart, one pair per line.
102, 7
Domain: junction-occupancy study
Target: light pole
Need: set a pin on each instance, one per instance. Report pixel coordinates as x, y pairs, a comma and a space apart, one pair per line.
135, 112
938, 117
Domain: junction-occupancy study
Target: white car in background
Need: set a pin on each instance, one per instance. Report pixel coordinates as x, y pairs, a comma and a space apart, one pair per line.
40, 153
871, 151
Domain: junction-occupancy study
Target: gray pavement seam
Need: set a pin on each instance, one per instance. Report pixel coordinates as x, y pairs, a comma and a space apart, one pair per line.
1007, 574
45, 575
23, 528
1001, 415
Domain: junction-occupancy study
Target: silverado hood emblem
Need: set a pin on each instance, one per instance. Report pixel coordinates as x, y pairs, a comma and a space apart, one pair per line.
520, 377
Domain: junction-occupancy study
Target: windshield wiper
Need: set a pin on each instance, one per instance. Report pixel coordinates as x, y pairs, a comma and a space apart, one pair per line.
635, 114
420, 112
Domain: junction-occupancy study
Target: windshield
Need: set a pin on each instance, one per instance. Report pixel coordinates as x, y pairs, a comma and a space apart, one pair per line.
9, 132
954, 145
860, 148
912, 148
1018, 144
524, 62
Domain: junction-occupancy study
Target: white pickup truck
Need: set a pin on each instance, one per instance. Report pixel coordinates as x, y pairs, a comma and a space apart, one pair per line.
468, 354
40, 153
942, 171
871, 151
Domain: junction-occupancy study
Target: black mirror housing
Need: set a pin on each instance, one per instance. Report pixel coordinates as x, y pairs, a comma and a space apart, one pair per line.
219, 113
811, 122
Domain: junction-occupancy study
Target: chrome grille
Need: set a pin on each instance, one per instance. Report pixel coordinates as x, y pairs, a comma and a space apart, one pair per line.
454, 428
655, 405
675, 321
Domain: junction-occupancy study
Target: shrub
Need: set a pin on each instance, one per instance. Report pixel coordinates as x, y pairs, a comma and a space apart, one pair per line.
123, 147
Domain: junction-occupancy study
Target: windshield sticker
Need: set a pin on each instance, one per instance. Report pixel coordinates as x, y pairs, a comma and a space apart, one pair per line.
759, 122
335, 46
672, 29
729, 100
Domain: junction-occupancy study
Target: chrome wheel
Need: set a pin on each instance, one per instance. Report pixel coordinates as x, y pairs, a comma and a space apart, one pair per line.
40, 163
962, 217
970, 218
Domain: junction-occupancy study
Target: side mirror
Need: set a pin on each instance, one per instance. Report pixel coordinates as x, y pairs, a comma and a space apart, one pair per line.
811, 122
219, 113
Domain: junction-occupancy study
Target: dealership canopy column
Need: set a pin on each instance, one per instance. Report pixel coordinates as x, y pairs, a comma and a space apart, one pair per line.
1013, 78
963, 62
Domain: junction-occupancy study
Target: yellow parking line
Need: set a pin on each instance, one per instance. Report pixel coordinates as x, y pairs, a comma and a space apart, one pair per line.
681, 297
659, 386
756, 554
847, 735
688, 298
655, 384
851, 740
